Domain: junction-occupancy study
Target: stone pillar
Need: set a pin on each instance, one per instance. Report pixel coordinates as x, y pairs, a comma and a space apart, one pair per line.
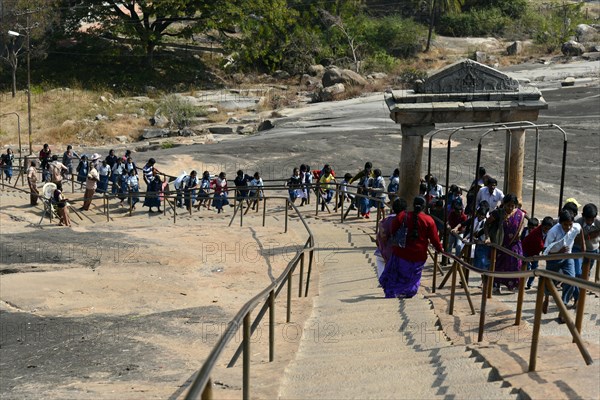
411, 157
517, 163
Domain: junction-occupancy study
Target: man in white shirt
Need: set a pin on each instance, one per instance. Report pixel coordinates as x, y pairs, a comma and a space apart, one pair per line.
490, 194
560, 239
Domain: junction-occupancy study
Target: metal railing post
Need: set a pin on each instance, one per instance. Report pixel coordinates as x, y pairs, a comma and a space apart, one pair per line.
301, 275
242, 212
106, 200
520, 296
310, 263
492, 269
287, 205
288, 317
537, 320
585, 274
565, 316
264, 211
484, 287
271, 325
435, 270
246, 369
452, 289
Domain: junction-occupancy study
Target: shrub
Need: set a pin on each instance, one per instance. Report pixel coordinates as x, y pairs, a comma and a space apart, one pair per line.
475, 22
380, 61
397, 36
177, 110
407, 76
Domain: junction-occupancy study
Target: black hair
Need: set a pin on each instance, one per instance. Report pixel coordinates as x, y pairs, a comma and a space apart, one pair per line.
368, 165
54, 157
59, 185
457, 204
453, 188
483, 208
419, 204
151, 161
565, 215
377, 172
302, 168
347, 176
481, 172
590, 211
396, 172
510, 198
492, 181
240, 172
399, 205
422, 188
433, 180
533, 222
571, 207
548, 221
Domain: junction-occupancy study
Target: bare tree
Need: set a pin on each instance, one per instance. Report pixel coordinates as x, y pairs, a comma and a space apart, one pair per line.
334, 21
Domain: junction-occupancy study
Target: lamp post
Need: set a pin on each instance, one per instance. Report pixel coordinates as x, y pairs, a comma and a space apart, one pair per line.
13, 33
19, 132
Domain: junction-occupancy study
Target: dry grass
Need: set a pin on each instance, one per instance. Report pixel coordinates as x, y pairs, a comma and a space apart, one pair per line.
62, 116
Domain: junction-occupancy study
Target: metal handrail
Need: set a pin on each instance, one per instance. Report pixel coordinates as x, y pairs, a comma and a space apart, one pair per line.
546, 279
201, 380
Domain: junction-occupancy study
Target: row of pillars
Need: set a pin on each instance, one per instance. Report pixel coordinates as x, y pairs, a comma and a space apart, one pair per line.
411, 158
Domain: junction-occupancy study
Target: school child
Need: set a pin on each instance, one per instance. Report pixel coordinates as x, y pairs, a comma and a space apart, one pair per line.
256, 192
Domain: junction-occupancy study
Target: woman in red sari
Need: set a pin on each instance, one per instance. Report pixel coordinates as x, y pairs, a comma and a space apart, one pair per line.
402, 274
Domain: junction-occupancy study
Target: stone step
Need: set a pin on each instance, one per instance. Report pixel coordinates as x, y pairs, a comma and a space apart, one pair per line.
384, 386
384, 345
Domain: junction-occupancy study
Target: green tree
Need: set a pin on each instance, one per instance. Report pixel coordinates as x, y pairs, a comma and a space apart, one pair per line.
265, 33
437, 8
149, 22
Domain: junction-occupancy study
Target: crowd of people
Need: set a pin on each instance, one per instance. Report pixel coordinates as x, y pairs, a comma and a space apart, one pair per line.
485, 215
489, 216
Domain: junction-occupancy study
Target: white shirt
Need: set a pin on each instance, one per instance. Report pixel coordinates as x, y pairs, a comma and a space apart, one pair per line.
556, 238
436, 191
133, 181
103, 171
493, 199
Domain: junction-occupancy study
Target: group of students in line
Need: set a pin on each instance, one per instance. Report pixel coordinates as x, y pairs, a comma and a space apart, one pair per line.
498, 219
371, 187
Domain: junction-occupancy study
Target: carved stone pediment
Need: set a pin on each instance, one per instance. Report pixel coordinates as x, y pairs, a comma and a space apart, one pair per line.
467, 76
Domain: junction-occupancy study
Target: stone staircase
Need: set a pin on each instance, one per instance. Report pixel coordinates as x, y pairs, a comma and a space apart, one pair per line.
357, 344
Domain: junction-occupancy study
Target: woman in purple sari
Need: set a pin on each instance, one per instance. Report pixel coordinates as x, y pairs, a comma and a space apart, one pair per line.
383, 240
508, 221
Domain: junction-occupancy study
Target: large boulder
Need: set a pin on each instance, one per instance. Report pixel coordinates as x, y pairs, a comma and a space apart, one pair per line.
221, 130
316, 70
515, 49
334, 75
329, 93
265, 125
151, 133
352, 78
572, 48
586, 33
331, 76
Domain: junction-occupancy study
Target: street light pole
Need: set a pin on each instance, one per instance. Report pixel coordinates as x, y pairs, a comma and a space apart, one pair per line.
29, 87
28, 40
